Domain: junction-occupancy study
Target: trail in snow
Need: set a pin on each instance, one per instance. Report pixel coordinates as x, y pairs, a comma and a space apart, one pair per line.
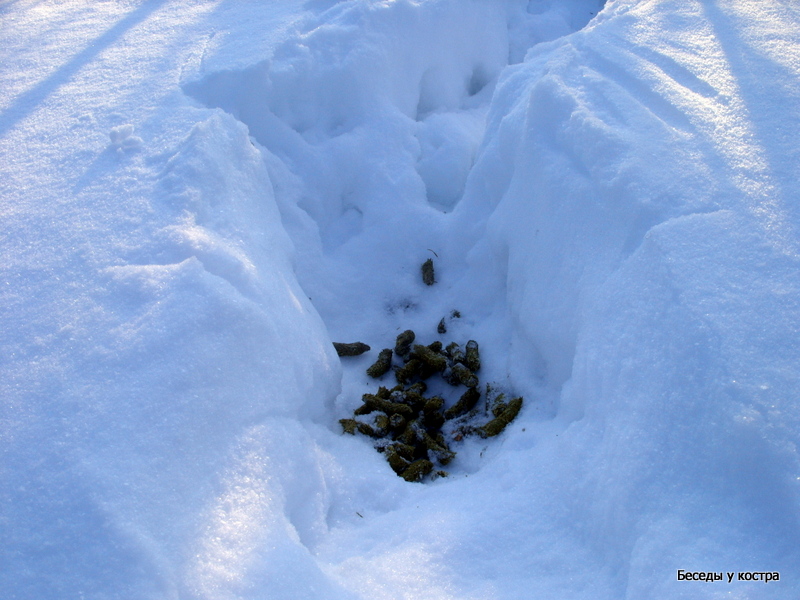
375, 134
610, 197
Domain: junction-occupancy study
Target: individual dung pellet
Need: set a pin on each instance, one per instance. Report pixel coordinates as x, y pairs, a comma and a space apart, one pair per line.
382, 423
435, 346
432, 413
455, 352
438, 448
397, 421
427, 272
365, 429
498, 424
353, 349
351, 426
403, 450
473, 357
433, 404
373, 403
410, 434
417, 470
420, 387
459, 374
382, 365
465, 404
430, 358
396, 462
499, 405
403, 343
414, 399
408, 371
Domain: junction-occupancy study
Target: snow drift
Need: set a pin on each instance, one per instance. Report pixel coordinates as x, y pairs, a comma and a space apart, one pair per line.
200, 197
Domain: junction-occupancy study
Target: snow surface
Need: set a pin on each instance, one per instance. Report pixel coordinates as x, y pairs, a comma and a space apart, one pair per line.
198, 197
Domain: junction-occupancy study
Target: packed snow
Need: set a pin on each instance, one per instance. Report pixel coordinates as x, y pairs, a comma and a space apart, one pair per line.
198, 198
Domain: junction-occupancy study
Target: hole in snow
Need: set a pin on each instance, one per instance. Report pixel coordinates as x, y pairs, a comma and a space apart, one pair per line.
479, 80
433, 95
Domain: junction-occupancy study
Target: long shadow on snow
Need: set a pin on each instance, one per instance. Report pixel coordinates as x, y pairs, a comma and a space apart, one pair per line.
28, 101
762, 83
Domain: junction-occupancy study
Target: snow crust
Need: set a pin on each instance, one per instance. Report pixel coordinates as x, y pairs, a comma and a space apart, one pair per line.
198, 197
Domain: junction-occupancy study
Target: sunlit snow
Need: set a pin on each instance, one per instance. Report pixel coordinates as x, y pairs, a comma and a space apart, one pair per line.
197, 198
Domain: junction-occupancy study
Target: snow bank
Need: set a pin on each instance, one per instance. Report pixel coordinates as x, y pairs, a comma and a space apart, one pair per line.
158, 352
642, 224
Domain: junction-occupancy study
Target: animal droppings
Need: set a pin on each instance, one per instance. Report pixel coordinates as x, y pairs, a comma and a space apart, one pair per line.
396, 462
465, 404
417, 470
427, 272
459, 374
407, 372
382, 365
403, 344
353, 349
441, 328
408, 427
351, 426
498, 424
374, 403
430, 358
473, 357
455, 352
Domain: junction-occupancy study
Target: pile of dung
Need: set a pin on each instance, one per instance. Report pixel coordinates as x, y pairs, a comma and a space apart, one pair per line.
406, 425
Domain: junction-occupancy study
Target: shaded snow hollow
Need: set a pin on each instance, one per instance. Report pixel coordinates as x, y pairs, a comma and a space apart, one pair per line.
198, 197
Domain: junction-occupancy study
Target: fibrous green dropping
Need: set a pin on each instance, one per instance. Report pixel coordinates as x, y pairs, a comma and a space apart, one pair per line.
352, 349
381, 366
427, 272
408, 427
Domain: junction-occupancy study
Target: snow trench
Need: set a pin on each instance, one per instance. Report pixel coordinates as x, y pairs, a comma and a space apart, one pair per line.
567, 181
371, 118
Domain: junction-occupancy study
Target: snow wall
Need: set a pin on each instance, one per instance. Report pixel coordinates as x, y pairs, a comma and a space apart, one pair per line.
611, 209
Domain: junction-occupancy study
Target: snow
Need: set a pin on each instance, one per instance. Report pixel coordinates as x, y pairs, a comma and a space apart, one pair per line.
197, 198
